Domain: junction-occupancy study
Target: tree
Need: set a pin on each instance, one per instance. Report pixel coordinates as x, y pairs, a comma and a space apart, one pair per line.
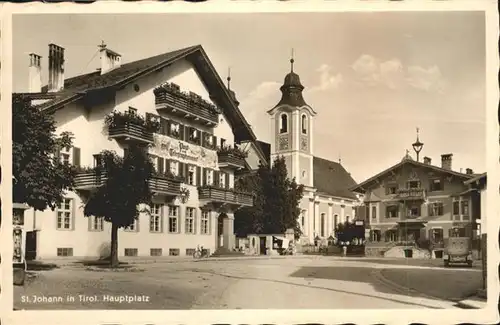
124, 193
276, 204
40, 178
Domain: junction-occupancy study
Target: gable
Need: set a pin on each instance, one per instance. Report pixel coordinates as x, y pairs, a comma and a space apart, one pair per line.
332, 179
404, 168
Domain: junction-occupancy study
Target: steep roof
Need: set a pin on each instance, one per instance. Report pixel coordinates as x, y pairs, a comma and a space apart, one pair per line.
331, 178
359, 187
94, 85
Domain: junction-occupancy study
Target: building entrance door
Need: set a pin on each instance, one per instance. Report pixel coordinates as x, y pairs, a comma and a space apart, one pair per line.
262, 245
30, 248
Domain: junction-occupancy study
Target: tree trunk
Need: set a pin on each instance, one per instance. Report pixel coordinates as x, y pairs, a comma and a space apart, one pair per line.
114, 245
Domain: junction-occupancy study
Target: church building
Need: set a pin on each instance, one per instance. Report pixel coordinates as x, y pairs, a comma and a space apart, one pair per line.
327, 199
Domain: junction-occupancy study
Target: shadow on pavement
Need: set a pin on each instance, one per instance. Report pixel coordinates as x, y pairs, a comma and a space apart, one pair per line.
414, 262
40, 266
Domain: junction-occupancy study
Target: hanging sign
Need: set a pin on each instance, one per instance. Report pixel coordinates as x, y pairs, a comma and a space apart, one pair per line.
178, 150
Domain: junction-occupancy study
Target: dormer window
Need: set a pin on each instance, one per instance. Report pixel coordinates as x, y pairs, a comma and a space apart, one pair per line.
304, 123
283, 123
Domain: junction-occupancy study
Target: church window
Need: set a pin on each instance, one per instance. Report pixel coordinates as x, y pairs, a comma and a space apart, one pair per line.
283, 123
304, 123
303, 218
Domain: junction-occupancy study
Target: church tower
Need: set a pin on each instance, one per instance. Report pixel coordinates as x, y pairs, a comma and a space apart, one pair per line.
292, 126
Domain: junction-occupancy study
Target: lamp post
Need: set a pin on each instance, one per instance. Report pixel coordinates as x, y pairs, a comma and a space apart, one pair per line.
417, 146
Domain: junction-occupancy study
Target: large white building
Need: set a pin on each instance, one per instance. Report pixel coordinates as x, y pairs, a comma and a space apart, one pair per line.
328, 199
201, 125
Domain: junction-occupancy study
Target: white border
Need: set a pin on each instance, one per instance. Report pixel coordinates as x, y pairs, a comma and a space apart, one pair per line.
430, 316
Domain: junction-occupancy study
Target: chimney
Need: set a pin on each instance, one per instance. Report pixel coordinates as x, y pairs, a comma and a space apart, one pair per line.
56, 68
35, 73
110, 60
427, 160
469, 171
446, 161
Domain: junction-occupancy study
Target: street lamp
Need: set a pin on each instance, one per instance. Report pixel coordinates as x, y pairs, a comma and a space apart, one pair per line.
417, 145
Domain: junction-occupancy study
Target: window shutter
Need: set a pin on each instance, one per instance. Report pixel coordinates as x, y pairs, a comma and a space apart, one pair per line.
76, 157
214, 141
198, 176
186, 170
203, 140
167, 166
227, 180
181, 169
204, 179
161, 165
181, 132
216, 178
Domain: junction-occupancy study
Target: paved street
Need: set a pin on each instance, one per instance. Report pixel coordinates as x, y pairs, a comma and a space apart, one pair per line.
295, 282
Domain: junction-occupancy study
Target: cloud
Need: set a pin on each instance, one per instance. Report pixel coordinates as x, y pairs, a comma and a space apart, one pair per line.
373, 72
264, 90
429, 79
327, 80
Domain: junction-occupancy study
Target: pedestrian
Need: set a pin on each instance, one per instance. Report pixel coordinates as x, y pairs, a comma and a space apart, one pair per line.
344, 250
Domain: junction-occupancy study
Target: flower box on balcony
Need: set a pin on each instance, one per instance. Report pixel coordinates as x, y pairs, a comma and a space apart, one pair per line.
231, 157
187, 105
411, 194
129, 125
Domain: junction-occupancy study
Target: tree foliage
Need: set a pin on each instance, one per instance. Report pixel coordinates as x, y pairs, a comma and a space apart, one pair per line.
40, 178
124, 192
276, 204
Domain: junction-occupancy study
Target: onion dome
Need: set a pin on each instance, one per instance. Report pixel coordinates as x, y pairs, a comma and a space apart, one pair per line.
292, 90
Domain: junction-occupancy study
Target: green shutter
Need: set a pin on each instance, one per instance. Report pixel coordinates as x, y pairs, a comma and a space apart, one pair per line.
76, 157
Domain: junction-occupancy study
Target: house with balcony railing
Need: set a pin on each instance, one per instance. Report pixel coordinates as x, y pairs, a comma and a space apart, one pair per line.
175, 106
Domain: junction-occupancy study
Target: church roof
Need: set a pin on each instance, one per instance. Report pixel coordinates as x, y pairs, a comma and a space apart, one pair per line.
94, 86
331, 178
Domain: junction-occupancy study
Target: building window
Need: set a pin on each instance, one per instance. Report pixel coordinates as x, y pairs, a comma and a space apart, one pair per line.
335, 221
222, 180
465, 210
436, 185
414, 212
174, 168
205, 222
131, 251
65, 214
174, 129
374, 212
173, 219
173, 252
436, 209
303, 218
190, 251
65, 251
283, 123
192, 175
133, 226
392, 189
96, 223
322, 225
304, 123
209, 177
154, 159
190, 216
347, 219
194, 135
155, 252
391, 236
392, 211
413, 184
436, 235
65, 156
456, 208
155, 218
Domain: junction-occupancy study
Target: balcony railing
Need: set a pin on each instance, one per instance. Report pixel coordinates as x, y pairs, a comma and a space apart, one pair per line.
222, 195
128, 130
159, 184
191, 106
227, 159
411, 194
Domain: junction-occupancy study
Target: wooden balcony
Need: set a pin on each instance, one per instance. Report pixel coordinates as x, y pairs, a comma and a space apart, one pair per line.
230, 160
411, 194
222, 196
159, 184
189, 106
130, 132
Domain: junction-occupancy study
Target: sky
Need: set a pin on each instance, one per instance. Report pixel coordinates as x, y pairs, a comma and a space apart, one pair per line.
373, 78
